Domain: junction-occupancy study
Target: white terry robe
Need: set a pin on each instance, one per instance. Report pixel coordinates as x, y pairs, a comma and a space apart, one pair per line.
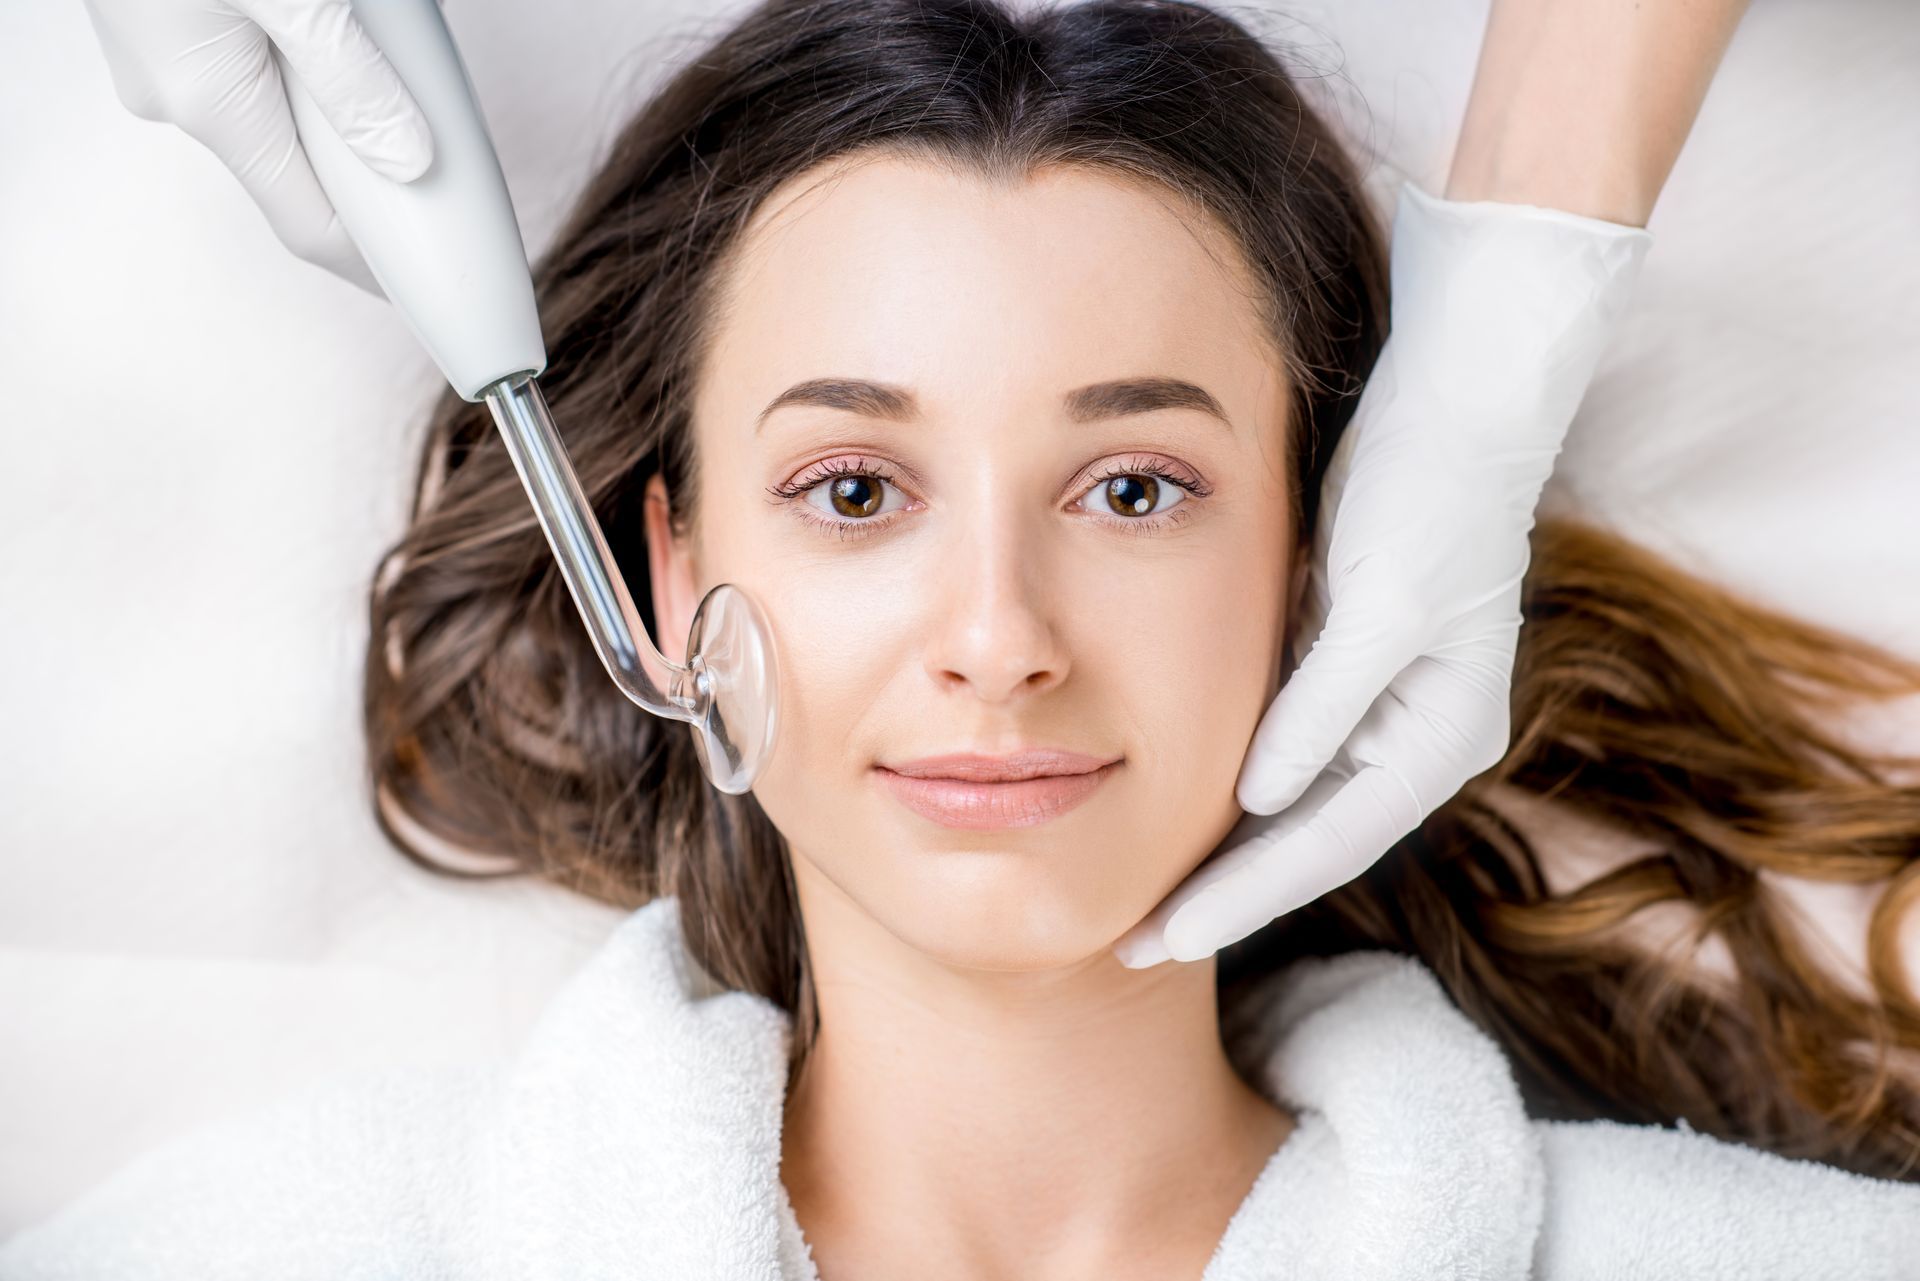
636, 1134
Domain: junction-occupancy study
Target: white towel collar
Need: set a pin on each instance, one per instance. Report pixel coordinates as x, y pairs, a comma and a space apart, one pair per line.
642, 1121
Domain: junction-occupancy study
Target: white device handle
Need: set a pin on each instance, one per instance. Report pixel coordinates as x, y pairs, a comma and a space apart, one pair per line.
447, 251
445, 247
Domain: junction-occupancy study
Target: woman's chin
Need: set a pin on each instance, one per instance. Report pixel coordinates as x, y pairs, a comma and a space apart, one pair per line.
1003, 917
1047, 897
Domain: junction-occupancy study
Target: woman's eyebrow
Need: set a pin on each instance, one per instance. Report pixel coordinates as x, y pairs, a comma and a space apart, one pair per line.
1091, 403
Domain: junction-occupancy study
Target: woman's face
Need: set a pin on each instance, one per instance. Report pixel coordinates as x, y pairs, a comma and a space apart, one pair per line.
1057, 519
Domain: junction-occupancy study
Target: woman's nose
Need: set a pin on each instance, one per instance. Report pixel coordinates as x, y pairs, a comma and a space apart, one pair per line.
997, 631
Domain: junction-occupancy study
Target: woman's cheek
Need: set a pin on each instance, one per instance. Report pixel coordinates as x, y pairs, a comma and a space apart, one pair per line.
832, 667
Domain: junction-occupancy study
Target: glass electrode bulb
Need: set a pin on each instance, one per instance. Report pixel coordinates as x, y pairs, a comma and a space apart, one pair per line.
728, 688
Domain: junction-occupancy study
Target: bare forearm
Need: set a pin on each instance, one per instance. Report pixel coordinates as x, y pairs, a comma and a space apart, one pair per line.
1583, 105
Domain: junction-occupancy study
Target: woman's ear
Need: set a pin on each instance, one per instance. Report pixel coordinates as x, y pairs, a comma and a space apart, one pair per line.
1297, 583
670, 573
1296, 592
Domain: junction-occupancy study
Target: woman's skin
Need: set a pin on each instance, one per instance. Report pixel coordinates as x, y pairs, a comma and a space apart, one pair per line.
991, 1088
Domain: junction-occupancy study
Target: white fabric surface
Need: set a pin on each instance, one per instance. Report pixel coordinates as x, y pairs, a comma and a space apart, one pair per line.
639, 1130
210, 442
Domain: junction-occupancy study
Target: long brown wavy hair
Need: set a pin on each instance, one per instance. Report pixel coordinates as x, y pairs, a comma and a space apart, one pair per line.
1644, 698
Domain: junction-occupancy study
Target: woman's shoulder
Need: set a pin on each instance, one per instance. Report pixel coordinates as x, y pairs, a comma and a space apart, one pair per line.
351, 1176
1426, 1146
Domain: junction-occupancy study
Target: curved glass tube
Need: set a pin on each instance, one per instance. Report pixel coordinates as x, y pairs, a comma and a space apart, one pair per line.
728, 688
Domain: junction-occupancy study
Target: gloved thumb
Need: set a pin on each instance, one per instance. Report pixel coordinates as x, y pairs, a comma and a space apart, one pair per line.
1364, 643
351, 81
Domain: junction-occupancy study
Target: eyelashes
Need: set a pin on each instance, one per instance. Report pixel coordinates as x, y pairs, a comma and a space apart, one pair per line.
1162, 473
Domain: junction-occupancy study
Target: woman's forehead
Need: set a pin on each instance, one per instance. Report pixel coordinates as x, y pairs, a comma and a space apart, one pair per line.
903, 271
884, 213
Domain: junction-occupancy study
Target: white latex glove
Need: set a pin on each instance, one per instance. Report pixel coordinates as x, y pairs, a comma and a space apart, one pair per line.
1499, 315
207, 66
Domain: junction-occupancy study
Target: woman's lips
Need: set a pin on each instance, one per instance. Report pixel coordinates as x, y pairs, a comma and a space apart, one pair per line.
953, 802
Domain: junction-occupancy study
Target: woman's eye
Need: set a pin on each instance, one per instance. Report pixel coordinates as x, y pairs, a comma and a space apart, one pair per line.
1133, 495
851, 496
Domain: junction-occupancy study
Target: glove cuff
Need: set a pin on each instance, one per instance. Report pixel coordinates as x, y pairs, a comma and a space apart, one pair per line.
1472, 213
1501, 312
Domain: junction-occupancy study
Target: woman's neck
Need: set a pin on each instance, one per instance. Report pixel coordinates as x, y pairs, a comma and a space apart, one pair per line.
1067, 1123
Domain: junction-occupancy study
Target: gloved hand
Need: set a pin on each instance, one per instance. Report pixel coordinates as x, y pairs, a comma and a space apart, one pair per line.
206, 66
1499, 315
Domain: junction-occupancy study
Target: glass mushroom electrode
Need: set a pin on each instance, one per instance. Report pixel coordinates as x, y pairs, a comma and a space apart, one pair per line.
446, 249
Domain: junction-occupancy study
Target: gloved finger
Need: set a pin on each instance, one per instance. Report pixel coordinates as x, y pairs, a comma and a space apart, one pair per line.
1343, 838
1441, 721
339, 255
351, 81
131, 83
1145, 944
253, 134
1365, 643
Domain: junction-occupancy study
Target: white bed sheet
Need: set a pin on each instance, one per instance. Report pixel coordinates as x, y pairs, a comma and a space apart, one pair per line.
209, 443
